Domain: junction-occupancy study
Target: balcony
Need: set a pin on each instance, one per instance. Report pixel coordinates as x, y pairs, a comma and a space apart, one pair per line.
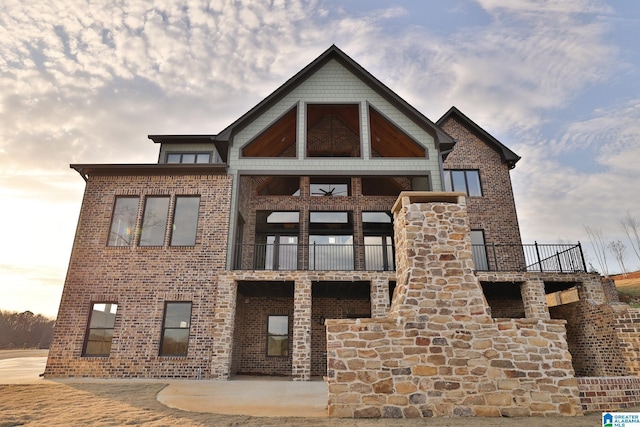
552, 258
555, 258
339, 257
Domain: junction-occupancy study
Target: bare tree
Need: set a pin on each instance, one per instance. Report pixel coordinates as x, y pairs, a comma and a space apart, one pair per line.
631, 227
617, 249
599, 247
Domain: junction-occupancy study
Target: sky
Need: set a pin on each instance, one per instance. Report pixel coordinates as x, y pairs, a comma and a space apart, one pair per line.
557, 81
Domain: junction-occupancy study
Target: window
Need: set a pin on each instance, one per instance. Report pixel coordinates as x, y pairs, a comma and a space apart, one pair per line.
377, 228
175, 329
123, 221
276, 240
185, 221
278, 336
100, 332
465, 181
189, 158
479, 250
154, 222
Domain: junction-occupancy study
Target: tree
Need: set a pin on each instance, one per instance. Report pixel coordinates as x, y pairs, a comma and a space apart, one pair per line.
618, 250
631, 227
599, 247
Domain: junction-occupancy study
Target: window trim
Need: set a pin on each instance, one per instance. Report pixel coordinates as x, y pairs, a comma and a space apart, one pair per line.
89, 329
165, 328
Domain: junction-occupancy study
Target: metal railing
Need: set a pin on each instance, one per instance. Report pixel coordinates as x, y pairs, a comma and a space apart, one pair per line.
560, 258
557, 258
343, 257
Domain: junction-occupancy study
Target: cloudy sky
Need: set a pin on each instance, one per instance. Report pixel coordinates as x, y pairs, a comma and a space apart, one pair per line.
557, 81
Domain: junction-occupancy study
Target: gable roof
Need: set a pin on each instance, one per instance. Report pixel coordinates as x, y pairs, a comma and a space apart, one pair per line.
443, 140
508, 156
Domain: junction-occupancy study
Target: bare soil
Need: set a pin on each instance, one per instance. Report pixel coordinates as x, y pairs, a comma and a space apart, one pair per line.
119, 403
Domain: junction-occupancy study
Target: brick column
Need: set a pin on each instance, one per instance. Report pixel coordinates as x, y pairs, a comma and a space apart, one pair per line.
224, 323
301, 357
379, 298
534, 299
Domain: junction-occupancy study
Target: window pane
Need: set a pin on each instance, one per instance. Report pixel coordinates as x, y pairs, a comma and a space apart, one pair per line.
203, 158
175, 342
331, 252
278, 325
278, 346
479, 250
103, 315
188, 158
185, 221
177, 315
447, 181
283, 217
382, 217
458, 181
329, 189
173, 158
330, 217
154, 222
473, 182
123, 221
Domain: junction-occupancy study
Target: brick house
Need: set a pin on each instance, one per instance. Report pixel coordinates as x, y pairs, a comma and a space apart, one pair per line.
255, 250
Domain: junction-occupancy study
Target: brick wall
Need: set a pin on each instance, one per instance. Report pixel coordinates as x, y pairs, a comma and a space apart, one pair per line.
495, 211
140, 280
609, 394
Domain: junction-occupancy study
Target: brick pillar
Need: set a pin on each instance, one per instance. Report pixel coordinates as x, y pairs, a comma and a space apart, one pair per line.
379, 298
224, 323
534, 299
301, 357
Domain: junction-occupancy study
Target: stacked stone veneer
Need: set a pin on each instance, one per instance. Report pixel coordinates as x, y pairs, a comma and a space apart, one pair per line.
439, 352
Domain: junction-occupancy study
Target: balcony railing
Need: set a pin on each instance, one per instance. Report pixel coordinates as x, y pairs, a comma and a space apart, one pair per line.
341, 257
560, 258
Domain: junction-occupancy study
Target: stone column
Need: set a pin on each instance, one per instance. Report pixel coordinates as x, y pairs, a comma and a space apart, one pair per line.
534, 299
379, 298
224, 323
591, 289
301, 357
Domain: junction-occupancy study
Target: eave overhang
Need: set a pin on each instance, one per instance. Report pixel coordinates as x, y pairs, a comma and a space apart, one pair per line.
222, 146
87, 170
509, 157
444, 142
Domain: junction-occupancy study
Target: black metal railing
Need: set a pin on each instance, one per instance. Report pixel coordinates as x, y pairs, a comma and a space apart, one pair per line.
344, 257
559, 258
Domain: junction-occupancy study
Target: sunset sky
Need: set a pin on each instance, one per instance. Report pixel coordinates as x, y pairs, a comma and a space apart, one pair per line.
557, 81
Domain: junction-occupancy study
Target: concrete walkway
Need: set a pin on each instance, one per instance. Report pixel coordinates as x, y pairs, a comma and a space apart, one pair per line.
258, 396
243, 395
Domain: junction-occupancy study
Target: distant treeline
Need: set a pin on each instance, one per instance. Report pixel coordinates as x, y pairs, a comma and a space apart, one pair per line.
25, 330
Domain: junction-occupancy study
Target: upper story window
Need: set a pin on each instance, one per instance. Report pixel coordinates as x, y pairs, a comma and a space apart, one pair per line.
185, 221
123, 221
190, 158
465, 181
155, 220
333, 130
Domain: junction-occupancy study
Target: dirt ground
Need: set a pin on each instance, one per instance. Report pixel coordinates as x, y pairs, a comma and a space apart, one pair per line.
99, 404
